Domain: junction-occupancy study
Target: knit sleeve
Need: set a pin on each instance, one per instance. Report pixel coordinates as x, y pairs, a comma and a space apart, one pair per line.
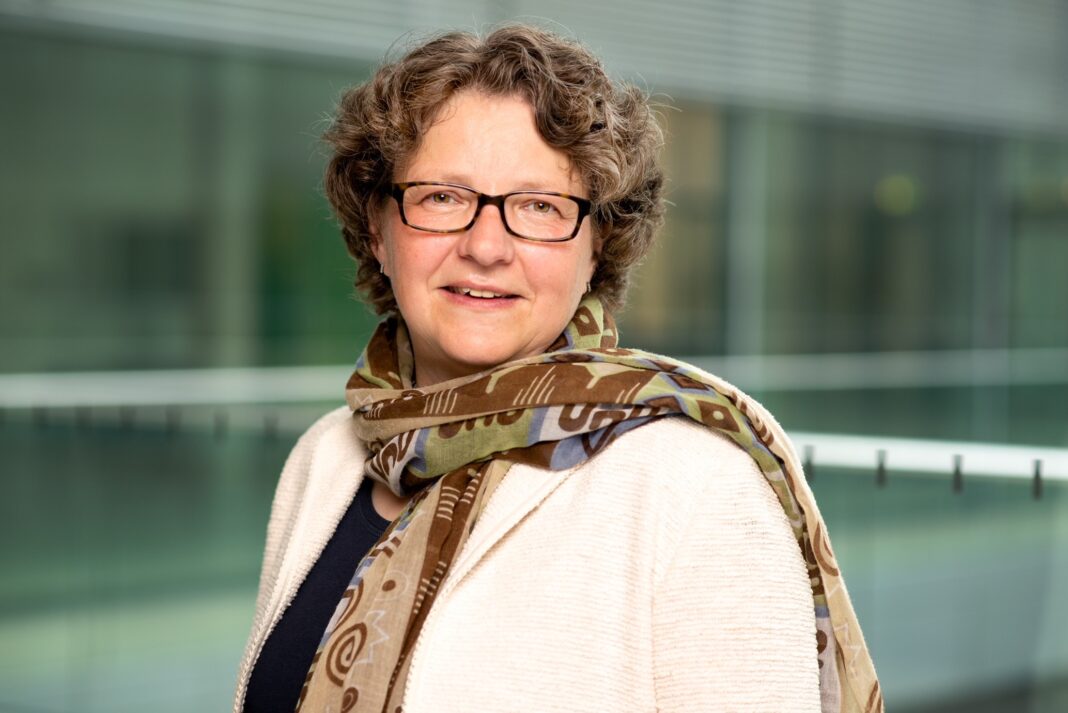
733, 621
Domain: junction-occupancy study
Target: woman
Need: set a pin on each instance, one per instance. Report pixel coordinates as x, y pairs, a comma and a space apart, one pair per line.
574, 526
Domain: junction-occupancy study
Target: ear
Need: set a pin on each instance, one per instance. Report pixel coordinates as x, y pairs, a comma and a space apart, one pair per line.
378, 247
595, 256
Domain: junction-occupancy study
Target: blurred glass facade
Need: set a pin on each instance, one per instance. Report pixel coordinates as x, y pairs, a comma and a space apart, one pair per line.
162, 208
159, 194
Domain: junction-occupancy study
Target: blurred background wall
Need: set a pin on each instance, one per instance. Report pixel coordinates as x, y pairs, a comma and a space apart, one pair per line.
869, 231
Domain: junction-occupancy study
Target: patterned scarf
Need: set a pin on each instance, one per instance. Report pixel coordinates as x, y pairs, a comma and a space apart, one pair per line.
451, 444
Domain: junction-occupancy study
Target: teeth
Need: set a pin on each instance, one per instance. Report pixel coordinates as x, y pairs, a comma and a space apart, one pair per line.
484, 294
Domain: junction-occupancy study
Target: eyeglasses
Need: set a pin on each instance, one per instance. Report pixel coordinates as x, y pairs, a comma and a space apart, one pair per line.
451, 208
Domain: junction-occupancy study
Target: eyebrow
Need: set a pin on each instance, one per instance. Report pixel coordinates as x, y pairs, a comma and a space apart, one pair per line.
526, 185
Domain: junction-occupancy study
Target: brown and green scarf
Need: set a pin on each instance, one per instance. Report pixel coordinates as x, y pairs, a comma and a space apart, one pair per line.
450, 444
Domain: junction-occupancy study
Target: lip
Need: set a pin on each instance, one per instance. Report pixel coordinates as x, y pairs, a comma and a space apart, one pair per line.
450, 293
496, 289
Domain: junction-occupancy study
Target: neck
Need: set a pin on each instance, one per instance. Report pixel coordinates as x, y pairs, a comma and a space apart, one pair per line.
425, 375
427, 371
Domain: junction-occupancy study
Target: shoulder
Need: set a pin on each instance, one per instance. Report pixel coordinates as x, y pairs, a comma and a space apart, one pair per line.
328, 426
666, 474
690, 477
681, 457
327, 442
676, 440
329, 447
332, 436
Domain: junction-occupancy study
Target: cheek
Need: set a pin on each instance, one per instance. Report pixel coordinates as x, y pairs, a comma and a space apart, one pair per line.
417, 264
568, 283
555, 273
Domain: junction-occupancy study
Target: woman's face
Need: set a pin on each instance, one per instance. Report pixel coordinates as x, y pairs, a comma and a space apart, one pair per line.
492, 145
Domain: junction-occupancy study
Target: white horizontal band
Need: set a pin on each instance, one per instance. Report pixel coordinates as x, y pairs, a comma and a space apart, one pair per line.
792, 372
913, 455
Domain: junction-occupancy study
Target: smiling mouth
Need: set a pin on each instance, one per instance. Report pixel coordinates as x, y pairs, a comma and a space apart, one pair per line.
479, 294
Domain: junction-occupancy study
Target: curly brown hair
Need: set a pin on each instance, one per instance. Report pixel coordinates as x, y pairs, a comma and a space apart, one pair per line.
608, 130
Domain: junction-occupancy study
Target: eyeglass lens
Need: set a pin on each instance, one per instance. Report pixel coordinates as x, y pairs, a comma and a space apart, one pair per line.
444, 208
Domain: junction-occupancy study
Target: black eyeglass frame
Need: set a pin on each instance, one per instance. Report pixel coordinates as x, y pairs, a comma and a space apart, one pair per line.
584, 204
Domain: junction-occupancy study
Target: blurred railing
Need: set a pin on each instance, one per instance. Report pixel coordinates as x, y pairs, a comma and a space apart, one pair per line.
269, 398
787, 372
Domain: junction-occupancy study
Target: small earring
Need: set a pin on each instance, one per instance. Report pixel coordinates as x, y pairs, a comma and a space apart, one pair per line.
587, 288
381, 268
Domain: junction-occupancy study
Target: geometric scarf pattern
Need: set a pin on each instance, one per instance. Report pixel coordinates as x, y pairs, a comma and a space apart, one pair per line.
450, 444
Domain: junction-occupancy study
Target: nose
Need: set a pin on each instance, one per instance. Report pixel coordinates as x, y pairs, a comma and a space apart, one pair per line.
487, 242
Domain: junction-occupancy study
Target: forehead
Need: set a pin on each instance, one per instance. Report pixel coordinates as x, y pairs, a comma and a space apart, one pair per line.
492, 144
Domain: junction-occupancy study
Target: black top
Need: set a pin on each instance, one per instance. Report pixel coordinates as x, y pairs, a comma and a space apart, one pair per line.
276, 680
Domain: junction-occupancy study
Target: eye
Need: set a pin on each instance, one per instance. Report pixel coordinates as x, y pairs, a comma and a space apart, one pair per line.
541, 207
441, 198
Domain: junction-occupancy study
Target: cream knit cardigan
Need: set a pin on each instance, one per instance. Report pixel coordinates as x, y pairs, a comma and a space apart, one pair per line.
661, 575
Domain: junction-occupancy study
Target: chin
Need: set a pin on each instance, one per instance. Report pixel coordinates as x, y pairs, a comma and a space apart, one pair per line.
482, 361
479, 354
